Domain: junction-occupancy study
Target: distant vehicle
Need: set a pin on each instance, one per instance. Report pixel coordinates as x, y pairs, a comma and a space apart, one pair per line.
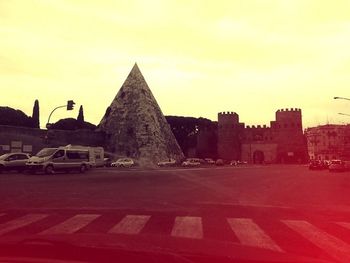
168, 162
209, 161
337, 166
219, 162
318, 165
123, 162
64, 158
96, 156
234, 163
107, 162
191, 162
13, 161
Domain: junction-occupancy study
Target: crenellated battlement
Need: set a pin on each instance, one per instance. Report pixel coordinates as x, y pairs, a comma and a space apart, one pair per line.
257, 127
227, 113
228, 118
289, 110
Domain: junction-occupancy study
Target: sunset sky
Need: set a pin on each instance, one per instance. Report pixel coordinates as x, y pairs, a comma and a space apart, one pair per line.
198, 57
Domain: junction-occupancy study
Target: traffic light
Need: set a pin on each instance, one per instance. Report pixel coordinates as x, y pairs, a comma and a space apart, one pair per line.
70, 105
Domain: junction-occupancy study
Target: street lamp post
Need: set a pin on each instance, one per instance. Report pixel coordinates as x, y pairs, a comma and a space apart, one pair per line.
343, 114
341, 98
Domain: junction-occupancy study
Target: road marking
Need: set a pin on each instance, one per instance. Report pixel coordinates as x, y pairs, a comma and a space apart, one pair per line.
251, 234
71, 225
130, 224
20, 222
335, 247
188, 227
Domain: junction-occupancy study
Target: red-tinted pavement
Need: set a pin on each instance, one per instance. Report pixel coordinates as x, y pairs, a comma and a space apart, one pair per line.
284, 213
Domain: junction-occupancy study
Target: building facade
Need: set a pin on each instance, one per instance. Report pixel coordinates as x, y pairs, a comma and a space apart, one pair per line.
282, 142
326, 142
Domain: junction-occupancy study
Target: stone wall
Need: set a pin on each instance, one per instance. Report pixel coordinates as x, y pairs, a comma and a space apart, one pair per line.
269, 151
31, 140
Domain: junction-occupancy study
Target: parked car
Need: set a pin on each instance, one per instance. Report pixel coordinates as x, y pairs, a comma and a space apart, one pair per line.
168, 162
209, 161
234, 163
191, 162
13, 161
123, 162
337, 166
318, 165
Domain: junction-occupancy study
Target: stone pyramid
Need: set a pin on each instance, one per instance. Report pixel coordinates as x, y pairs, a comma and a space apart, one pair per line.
135, 125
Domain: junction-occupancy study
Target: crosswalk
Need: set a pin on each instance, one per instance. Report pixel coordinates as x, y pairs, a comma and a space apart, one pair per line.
247, 231
250, 234
188, 227
130, 224
71, 225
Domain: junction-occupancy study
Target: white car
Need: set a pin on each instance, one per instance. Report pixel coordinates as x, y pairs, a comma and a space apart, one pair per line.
191, 162
169, 162
13, 161
337, 166
209, 161
123, 162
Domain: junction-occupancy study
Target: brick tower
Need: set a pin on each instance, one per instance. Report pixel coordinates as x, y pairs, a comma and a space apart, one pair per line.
229, 132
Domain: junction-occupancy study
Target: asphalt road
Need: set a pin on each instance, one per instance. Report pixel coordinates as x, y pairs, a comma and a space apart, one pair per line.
253, 213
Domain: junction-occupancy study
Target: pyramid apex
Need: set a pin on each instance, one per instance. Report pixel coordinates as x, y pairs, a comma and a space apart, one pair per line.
135, 67
135, 71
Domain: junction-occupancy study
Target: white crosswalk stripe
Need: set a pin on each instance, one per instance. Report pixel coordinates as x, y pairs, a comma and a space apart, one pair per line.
20, 222
188, 227
130, 224
335, 247
250, 234
71, 225
344, 224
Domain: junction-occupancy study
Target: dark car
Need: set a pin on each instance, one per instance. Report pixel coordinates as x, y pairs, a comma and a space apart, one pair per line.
13, 161
318, 165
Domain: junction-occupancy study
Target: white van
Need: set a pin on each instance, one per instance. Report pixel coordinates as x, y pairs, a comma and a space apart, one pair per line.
64, 158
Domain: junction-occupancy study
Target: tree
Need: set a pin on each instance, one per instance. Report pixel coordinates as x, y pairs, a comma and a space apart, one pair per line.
12, 117
72, 124
80, 118
35, 115
186, 130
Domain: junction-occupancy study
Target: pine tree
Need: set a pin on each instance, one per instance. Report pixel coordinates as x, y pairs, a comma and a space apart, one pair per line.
35, 115
80, 118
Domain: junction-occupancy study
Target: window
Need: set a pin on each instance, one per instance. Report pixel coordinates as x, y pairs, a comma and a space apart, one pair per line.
77, 155
21, 157
12, 158
58, 154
